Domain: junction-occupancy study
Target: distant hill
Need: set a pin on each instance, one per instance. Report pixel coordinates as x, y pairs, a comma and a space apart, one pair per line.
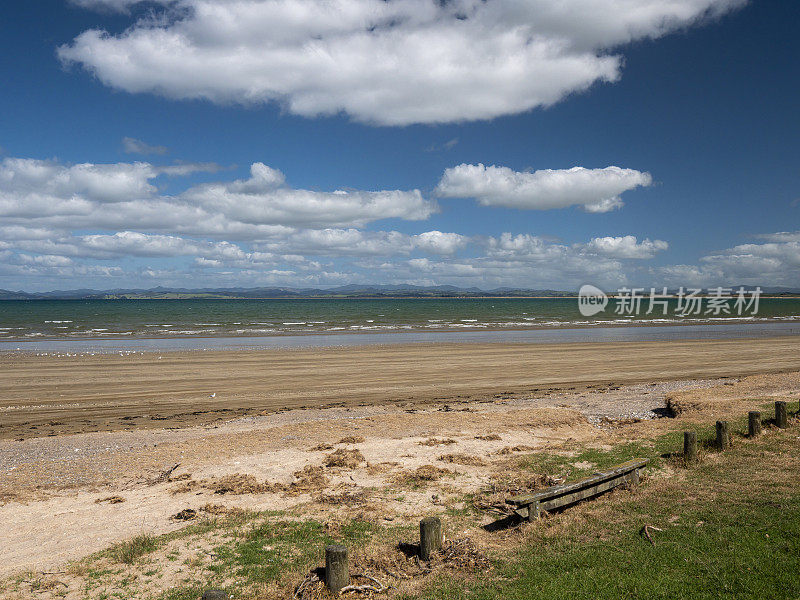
345, 291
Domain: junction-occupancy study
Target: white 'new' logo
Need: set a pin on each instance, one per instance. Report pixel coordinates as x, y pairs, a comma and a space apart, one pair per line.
591, 300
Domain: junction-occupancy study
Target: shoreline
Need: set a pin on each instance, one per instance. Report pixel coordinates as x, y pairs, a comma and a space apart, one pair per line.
607, 332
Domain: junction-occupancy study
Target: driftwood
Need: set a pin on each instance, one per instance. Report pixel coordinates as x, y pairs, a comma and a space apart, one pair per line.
646, 531
309, 581
366, 587
165, 475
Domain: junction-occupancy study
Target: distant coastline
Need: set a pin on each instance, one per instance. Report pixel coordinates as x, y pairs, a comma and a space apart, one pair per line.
355, 292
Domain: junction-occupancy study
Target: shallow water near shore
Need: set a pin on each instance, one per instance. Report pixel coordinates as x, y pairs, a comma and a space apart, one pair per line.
544, 336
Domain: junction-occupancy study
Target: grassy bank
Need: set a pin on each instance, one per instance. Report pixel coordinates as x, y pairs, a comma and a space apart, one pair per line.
726, 527
729, 527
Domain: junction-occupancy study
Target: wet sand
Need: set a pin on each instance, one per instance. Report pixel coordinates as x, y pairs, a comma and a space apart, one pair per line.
48, 396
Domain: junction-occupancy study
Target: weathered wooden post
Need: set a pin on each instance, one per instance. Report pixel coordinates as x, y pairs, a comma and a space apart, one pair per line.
430, 537
753, 423
780, 414
633, 478
215, 595
723, 435
337, 567
690, 447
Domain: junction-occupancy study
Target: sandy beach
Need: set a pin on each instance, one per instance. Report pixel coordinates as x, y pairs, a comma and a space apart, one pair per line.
47, 395
87, 440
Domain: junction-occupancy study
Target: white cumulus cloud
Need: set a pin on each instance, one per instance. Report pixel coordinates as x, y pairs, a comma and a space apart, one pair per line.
781, 236
50, 195
439, 242
391, 62
626, 246
594, 190
265, 199
774, 263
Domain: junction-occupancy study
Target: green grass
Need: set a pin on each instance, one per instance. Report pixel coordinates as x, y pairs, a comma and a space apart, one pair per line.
554, 464
657, 449
731, 529
269, 549
262, 549
130, 550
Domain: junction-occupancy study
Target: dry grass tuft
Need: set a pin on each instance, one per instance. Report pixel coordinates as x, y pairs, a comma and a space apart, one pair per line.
468, 460
381, 467
422, 475
77, 569
187, 514
237, 484
186, 487
510, 449
437, 442
463, 554
431, 473
6, 497
110, 500
309, 479
321, 447
346, 459
491, 437
215, 509
492, 497
348, 496
352, 439
220, 510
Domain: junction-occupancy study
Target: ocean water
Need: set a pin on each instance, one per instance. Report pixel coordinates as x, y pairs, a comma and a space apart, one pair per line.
187, 319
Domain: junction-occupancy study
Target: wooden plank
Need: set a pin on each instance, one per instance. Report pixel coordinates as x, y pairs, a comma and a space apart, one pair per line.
569, 488
596, 478
584, 493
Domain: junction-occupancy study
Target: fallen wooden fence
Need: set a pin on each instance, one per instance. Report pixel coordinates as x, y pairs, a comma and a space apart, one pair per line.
529, 506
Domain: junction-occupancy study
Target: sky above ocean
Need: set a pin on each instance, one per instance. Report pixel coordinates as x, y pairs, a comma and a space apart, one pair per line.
525, 143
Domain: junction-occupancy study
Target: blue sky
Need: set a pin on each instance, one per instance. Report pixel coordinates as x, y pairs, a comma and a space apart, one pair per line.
521, 143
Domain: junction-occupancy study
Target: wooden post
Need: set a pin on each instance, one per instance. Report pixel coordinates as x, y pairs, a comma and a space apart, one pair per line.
430, 537
337, 567
215, 595
780, 414
723, 435
633, 478
690, 447
534, 511
754, 423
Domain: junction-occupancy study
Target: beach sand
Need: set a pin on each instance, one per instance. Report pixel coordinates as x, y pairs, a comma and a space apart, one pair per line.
278, 416
46, 395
